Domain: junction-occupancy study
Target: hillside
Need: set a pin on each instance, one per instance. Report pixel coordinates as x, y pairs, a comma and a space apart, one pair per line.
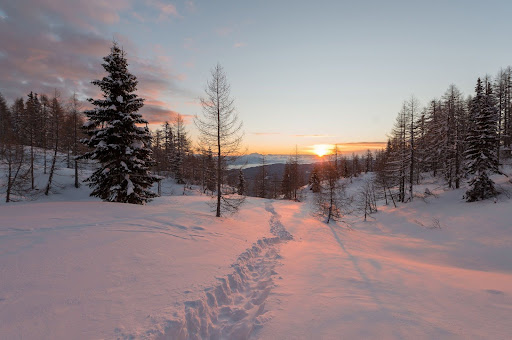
75, 267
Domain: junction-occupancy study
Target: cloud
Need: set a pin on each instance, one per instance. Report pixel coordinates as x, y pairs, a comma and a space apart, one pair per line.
59, 44
239, 44
371, 145
265, 133
138, 16
190, 6
223, 31
313, 136
165, 10
158, 113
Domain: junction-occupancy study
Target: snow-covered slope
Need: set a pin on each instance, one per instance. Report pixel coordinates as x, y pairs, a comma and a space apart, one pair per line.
436, 270
96, 270
72, 267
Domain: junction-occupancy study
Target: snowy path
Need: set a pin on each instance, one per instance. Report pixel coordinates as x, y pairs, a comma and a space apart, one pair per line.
235, 307
92, 270
376, 281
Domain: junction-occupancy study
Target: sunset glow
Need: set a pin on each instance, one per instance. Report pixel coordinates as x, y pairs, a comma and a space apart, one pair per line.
322, 149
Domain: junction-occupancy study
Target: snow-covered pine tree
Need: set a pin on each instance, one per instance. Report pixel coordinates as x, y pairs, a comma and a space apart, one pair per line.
481, 144
120, 144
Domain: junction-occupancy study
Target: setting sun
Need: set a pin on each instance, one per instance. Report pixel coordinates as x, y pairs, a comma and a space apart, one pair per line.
322, 149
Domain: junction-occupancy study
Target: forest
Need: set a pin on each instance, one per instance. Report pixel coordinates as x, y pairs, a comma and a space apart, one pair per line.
456, 137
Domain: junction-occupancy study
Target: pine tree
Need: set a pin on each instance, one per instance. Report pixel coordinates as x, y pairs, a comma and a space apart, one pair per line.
5, 120
261, 185
241, 190
315, 180
181, 149
330, 198
121, 147
286, 183
210, 172
76, 120
31, 123
368, 161
56, 115
481, 144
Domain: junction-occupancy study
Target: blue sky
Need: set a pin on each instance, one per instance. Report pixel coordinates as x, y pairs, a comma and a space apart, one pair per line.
302, 72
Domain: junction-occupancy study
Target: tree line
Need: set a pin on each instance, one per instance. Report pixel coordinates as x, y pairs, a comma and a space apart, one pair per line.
38, 122
453, 138
115, 138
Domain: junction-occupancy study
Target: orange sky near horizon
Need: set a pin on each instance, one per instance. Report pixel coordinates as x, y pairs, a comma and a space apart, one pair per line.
343, 148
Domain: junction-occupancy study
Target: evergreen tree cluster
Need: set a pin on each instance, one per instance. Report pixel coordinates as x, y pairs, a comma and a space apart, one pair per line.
173, 153
453, 138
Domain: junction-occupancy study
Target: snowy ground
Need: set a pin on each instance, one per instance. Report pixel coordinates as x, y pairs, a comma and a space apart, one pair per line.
72, 267
395, 278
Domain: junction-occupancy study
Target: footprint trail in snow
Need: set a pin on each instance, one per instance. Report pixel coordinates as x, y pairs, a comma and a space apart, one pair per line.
235, 307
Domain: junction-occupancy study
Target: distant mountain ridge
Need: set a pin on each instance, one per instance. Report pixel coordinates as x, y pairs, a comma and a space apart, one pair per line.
255, 159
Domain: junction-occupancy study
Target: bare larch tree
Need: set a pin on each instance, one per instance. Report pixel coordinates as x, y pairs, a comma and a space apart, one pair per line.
220, 128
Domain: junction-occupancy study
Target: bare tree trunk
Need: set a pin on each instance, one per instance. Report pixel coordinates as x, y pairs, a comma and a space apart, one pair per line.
11, 180
219, 162
52, 169
392, 198
32, 161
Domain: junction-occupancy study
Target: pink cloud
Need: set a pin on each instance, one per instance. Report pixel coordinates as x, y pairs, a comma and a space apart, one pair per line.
41, 56
166, 10
312, 136
239, 44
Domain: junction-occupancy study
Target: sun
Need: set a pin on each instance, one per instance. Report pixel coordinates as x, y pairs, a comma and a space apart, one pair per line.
322, 149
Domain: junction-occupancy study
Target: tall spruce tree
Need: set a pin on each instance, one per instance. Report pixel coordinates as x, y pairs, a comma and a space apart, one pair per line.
481, 144
120, 144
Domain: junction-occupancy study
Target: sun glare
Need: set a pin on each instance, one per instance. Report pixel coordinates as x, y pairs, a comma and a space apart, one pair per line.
322, 149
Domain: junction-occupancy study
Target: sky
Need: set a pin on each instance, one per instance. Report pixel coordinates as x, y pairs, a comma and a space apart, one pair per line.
302, 73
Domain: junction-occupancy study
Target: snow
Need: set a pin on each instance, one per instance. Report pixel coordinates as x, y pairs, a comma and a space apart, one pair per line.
138, 144
96, 270
74, 267
120, 99
398, 276
129, 186
88, 124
